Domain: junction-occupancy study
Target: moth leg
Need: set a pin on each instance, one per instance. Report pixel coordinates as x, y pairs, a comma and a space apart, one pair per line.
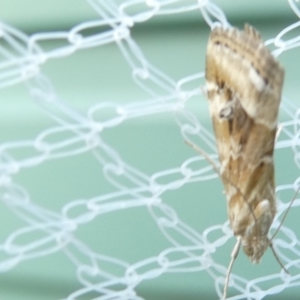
204, 154
278, 131
271, 239
277, 258
234, 255
285, 214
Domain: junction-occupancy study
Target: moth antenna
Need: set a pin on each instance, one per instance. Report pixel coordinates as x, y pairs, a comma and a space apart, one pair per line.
277, 258
285, 214
204, 154
234, 255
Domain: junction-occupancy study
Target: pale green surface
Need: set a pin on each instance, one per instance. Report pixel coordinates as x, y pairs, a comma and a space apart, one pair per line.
178, 51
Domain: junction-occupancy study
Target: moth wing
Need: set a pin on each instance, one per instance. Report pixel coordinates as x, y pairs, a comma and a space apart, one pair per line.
243, 82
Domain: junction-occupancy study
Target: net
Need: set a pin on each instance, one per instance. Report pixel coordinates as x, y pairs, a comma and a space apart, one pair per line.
101, 198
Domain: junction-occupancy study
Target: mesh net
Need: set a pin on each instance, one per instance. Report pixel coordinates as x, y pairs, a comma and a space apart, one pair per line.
102, 181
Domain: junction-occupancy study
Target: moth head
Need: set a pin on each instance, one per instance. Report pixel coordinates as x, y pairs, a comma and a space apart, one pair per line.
252, 224
255, 240
255, 248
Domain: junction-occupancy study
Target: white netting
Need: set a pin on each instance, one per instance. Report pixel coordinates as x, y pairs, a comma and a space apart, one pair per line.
45, 230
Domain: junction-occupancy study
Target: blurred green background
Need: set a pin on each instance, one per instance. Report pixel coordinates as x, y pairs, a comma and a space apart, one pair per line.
176, 45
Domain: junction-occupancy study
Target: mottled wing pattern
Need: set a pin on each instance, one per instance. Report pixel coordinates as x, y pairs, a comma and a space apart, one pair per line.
243, 83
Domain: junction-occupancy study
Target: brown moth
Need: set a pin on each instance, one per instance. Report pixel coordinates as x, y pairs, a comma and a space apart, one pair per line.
243, 85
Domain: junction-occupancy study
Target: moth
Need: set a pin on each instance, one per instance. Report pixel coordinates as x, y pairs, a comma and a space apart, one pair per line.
243, 86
